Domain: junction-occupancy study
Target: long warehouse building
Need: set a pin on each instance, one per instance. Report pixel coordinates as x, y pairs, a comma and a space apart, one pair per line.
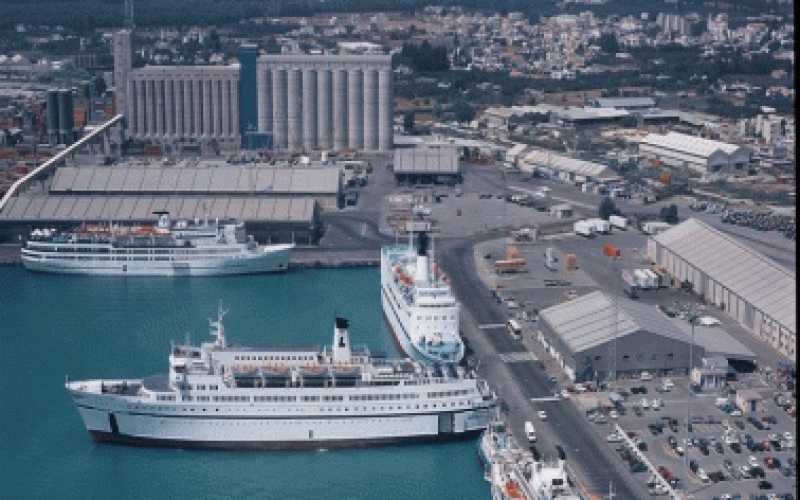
748, 286
326, 102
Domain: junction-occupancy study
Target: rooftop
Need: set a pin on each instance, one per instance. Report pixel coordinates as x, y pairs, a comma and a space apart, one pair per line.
747, 273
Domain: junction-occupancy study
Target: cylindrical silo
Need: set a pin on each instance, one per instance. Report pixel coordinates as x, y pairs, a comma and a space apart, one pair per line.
159, 107
66, 119
339, 109
324, 109
279, 109
295, 109
355, 109
370, 110
52, 115
264, 100
385, 111
309, 109
141, 109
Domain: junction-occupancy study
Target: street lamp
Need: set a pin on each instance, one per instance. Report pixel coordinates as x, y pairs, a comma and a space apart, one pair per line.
692, 318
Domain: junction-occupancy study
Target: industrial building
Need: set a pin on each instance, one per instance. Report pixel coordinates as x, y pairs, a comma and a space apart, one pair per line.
326, 102
277, 220
323, 185
748, 286
276, 203
178, 106
426, 165
564, 168
595, 335
701, 155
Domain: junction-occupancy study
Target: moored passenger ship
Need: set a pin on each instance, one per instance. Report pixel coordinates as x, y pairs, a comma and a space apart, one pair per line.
225, 396
168, 248
418, 301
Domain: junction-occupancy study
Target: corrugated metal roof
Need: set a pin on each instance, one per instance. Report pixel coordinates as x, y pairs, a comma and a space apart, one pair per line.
591, 320
555, 161
99, 180
689, 144
747, 273
191, 179
125, 208
440, 160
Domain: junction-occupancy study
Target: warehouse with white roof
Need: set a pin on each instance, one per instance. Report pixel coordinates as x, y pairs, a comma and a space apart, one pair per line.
566, 168
581, 333
753, 289
704, 156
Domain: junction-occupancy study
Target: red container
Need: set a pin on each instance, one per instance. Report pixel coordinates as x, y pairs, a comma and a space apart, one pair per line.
610, 250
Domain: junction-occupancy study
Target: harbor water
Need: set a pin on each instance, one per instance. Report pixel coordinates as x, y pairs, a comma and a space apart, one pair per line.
88, 327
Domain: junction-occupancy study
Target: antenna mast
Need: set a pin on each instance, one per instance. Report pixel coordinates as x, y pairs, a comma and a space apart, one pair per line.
129, 13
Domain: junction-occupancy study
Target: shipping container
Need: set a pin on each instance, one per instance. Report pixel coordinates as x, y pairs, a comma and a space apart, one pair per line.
611, 250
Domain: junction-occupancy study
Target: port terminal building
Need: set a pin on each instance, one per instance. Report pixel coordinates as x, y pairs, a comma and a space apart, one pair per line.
751, 288
597, 335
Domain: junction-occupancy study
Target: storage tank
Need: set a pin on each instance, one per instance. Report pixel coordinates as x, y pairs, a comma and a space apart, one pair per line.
66, 121
52, 113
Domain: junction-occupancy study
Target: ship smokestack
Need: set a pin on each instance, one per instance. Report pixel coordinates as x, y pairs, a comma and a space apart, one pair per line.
421, 271
341, 341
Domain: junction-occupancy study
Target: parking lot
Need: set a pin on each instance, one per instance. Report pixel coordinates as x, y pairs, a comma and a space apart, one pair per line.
711, 461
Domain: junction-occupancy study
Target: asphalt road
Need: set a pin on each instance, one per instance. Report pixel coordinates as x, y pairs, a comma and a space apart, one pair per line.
594, 462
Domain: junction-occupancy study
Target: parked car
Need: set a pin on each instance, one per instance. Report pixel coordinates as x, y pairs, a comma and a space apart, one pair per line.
764, 485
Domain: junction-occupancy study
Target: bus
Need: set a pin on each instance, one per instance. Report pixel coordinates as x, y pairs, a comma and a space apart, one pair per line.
515, 329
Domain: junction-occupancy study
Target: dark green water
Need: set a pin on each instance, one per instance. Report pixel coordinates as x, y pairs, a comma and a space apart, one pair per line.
53, 326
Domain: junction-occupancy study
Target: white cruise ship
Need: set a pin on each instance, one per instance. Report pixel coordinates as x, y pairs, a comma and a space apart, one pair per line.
228, 396
418, 301
168, 248
516, 475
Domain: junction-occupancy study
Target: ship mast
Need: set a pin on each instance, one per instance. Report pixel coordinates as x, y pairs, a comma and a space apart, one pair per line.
217, 328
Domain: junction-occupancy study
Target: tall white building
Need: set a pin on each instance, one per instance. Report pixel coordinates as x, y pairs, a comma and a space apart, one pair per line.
326, 102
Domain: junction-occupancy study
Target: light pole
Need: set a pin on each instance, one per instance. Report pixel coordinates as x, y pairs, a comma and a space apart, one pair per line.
692, 316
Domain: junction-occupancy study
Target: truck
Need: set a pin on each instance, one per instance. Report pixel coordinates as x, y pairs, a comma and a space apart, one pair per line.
618, 221
584, 228
600, 226
645, 279
530, 431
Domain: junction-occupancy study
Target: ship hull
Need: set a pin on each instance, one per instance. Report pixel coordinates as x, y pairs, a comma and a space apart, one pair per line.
124, 440
264, 260
257, 431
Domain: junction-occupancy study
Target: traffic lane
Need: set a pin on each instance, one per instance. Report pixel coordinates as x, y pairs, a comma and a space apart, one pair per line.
595, 464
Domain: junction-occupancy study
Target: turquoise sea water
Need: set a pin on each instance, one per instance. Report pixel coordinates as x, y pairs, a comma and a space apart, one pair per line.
53, 326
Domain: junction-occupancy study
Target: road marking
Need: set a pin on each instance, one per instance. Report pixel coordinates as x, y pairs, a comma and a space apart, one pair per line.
492, 325
517, 357
545, 399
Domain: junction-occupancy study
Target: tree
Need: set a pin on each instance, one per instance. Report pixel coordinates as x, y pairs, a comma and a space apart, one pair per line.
408, 121
607, 208
669, 214
463, 111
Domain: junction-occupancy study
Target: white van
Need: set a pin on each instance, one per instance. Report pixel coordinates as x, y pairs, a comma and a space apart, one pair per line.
530, 431
515, 329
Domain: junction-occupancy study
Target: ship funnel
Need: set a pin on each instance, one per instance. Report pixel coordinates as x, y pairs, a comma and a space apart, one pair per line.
422, 244
341, 341
421, 272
